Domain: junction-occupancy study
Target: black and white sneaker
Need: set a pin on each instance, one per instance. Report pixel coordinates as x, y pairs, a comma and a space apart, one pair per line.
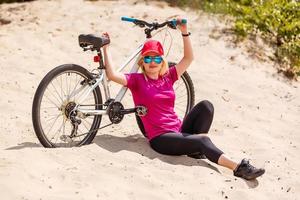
247, 171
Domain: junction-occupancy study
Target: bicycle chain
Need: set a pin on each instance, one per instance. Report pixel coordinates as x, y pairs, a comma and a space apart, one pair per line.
93, 130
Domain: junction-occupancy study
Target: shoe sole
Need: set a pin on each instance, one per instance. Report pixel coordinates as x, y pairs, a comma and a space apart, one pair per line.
258, 174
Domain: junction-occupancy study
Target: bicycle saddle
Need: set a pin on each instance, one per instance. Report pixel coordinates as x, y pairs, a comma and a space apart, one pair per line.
91, 40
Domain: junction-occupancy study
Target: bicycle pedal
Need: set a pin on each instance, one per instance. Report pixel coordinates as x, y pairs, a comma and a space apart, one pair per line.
141, 111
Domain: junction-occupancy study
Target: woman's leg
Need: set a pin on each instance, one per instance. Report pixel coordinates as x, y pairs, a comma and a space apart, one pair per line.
199, 119
185, 144
226, 162
244, 169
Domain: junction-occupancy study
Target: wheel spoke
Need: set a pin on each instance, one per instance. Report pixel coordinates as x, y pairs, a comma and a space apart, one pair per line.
181, 109
48, 91
50, 107
88, 122
77, 83
67, 86
180, 103
63, 94
51, 101
61, 99
58, 131
52, 118
81, 91
53, 123
179, 96
83, 122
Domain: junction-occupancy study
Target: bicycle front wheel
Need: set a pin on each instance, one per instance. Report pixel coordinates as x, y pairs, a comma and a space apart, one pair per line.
184, 101
54, 105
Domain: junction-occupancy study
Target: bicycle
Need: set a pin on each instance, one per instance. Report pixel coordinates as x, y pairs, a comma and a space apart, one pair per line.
68, 107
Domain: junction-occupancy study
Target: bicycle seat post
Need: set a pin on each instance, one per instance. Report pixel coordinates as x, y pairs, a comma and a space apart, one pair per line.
101, 64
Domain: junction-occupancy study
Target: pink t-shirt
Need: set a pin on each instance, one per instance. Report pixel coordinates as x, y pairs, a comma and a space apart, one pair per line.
158, 97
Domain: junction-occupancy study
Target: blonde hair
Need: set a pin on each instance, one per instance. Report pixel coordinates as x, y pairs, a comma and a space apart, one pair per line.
164, 67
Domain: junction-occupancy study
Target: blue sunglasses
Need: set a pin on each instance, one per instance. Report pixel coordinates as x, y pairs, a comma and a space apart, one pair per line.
156, 59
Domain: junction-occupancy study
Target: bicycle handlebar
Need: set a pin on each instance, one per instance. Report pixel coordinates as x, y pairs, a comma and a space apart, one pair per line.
128, 19
173, 23
153, 26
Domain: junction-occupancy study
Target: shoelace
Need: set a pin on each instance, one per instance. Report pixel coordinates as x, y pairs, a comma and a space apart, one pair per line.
250, 168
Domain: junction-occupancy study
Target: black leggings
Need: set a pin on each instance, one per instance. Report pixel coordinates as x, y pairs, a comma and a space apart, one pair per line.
190, 141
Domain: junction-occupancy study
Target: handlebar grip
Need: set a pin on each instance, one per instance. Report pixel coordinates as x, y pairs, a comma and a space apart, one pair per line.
183, 21
175, 22
128, 19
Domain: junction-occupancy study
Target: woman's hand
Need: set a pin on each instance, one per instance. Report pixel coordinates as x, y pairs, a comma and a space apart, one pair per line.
188, 56
108, 62
182, 27
106, 35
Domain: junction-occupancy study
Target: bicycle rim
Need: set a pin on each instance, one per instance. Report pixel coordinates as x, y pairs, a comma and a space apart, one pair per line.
56, 105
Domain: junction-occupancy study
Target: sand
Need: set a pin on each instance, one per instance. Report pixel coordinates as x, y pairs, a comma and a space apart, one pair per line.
257, 111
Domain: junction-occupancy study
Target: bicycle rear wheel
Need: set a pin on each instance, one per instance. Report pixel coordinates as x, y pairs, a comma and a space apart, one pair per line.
185, 98
55, 99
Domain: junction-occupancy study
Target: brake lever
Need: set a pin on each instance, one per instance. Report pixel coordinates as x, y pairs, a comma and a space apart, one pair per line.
172, 26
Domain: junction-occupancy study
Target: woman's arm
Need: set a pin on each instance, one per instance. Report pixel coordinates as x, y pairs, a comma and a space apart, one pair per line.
110, 72
188, 56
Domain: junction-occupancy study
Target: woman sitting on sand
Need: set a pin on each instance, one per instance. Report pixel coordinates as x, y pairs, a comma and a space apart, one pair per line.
166, 133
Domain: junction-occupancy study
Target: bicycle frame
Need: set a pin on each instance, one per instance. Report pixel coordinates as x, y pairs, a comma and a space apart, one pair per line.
103, 80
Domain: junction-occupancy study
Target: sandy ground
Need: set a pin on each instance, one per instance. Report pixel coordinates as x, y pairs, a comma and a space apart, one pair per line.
257, 112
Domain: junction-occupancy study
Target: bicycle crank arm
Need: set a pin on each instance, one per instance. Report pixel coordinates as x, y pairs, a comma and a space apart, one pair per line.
139, 110
89, 112
127, 111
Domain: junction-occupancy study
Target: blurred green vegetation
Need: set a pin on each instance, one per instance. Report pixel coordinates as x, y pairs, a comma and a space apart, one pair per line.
278, 21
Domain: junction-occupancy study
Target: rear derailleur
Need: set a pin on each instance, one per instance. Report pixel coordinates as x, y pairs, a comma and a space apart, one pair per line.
71, 114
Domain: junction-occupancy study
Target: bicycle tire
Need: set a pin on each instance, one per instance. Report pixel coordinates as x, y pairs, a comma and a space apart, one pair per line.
189, 86
48, 80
